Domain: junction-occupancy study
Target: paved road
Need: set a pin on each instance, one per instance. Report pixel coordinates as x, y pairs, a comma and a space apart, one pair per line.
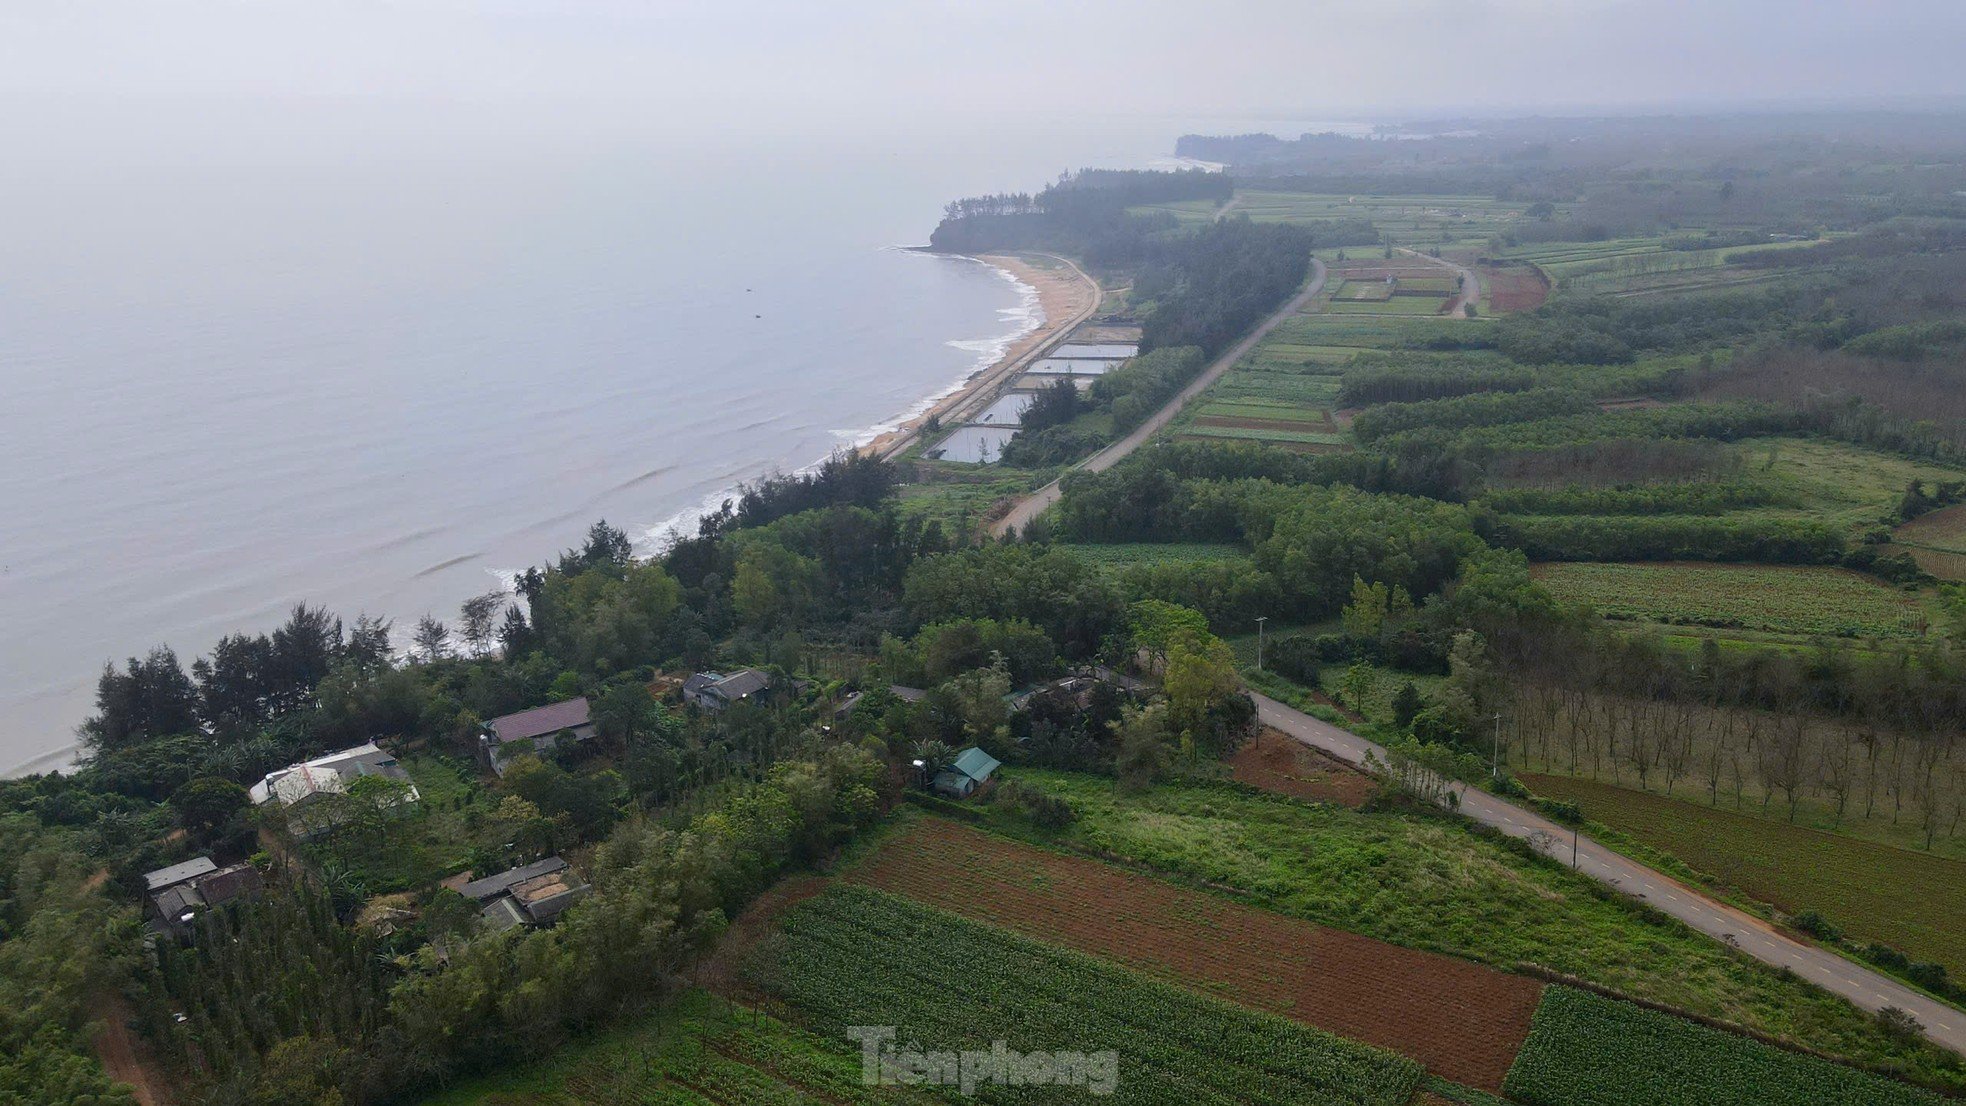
1033, 505
1751, 935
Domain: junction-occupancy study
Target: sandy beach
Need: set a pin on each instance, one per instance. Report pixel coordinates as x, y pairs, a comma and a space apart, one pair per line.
1066, 297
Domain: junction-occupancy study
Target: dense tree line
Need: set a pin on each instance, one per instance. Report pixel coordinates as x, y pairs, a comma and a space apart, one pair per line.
1476, 409
1118, 401
1685, 498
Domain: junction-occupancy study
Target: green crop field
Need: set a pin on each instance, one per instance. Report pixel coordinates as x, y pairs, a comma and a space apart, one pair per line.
1427, 882
699, 1052
1874, 892
1396, 305
1803, 601
1362, 290
1587, 1050
1260, 434
1261, 409
1246, 384
1358, 330
854, 956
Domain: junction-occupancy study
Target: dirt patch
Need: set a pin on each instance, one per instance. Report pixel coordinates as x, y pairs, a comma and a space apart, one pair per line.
720, 973
1276, 762
127, 1058
1295, 425
1463, 1021
1514, 287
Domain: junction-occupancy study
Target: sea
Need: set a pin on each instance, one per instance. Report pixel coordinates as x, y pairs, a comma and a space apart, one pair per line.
380, 368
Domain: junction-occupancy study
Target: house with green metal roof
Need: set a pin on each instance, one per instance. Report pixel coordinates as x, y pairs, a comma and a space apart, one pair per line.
971, 770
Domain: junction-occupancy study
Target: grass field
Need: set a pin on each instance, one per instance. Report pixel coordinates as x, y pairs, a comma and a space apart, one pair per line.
1846, 485
1429, 883
1802, 601
1461, 1020
1937, 541
1588, 1050
701, 1052
853, 956
1874, 892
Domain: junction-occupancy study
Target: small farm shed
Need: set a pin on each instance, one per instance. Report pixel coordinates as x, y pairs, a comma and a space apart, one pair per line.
973, 768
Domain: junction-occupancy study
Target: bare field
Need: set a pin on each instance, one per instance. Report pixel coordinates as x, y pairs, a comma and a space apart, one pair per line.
1463, 1021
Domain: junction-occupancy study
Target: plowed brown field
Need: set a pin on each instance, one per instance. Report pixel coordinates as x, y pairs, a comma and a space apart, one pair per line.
1276, 762
1463, 1021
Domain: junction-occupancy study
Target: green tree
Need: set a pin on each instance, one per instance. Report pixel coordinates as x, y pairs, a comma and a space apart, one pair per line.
205, 803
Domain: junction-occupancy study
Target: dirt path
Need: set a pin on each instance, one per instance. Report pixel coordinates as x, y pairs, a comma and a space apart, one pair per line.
1035, 504
127, 1059
1944, 1025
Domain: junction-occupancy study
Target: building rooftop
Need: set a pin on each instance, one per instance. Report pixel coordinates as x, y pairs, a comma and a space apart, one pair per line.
482, 889
178, 873
329, 773
975, 763
541, 721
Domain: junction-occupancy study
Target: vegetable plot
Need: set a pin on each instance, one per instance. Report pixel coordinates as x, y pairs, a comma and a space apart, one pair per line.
1587, 1050
859, 957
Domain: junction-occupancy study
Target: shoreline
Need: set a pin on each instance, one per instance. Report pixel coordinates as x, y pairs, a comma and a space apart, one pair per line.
1065, 298
1062, 296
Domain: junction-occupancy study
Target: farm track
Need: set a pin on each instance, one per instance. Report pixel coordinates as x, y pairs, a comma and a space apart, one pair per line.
1944, 1025
1463, 1021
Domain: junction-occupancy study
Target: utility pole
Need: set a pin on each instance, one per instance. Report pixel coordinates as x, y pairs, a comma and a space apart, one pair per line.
1259, 641
1495, 758
1573, 847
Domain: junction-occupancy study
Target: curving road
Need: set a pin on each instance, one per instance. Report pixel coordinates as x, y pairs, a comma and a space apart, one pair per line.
1868, 989
1033, 505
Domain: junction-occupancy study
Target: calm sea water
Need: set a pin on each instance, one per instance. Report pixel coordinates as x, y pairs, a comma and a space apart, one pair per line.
378, 373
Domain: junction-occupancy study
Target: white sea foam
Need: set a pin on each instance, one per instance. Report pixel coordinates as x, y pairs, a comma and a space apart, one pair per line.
1026, 317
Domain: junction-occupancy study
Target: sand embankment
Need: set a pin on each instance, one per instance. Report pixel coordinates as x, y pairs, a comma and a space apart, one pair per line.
1066, 297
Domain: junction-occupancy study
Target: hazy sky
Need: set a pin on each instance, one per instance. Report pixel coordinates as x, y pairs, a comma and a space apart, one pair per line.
760, 65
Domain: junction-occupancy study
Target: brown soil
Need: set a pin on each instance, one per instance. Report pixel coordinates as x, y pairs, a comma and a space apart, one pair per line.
1241, 423
1276, 762
720, 973
1514, 287
1463, 1021
125, 1057
1637, 403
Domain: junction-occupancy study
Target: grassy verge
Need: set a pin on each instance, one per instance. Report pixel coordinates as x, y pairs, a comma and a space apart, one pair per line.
1874, 892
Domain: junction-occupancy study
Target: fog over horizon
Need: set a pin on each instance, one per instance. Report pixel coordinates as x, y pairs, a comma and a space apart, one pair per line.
73, 72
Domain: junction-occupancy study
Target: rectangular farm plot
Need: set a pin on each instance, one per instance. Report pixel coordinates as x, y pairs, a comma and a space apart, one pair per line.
1804, 601
976, 445
1463, 1021
1076, 365
1098, 351
855, 956
1586, 1048
1008, 410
